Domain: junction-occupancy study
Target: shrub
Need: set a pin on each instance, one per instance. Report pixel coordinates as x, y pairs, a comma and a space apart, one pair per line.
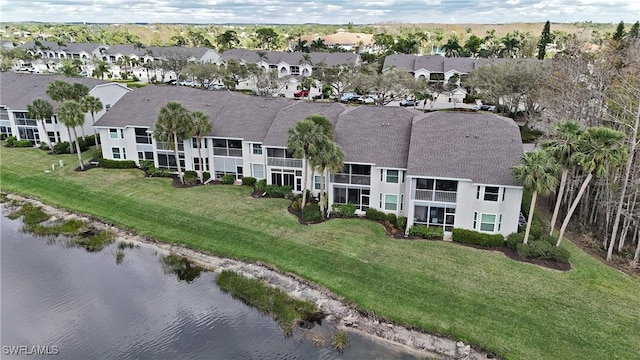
248, 181
536, 230
391, 218
190, 177
61, 147
427, 232
401, 222
524, 250
278, 191
548, 239
10, 141
155, 172
514, 239
296, 204
228, 179
146, 165
311, 212
95, 154
117, 164
261, 185
477, 238
346, 210
375, 215
43, 146
559, 254
90, 140
206, 176
541, 249
22, 143
191, 173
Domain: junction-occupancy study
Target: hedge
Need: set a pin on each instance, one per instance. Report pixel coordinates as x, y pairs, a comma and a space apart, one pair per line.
427, 232
541, 249
228, 179
261, 185
117, 164
248, 181
277, 191
376, 215
514, 239
477, 238
401, 222
311, 212
346, 210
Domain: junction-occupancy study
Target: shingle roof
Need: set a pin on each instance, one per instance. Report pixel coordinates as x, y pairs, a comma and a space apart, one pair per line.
288, 117
480, 147
276, 57
19, 90
374, 134
76, 48
400, 61
436, 63
232, 115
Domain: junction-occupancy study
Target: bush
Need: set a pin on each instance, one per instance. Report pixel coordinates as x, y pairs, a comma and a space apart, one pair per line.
311, 212
345, 210
90, 140
296, 204
248, 181
10, 141
23, 143
190, 173
375, 215
514, 239
228, 179
206, 176
61, 147
155, 172
261, 185
559, 254
190, 177
427, 232
146, 165
477, 238
524, 250
401, 222
536, 230
117, 164
43, 146
548, 239
391, 218
541, 249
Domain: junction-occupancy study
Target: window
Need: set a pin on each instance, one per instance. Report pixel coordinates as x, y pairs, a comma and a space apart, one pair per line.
257, 171
491, 193
142, 137
295, 70
478, 192
257, 149
487, 222
194, 143
380, 205
107, 107
401, 202
499, 221
390, 202
475, 220
113, 133
317, 179
392, 176
196, 164
504, 190
116, 153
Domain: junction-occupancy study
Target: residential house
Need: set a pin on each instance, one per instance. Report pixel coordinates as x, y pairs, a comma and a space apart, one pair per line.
449, 169
19, 90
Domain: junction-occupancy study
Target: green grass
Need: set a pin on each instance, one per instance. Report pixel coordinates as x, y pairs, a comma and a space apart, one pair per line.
518, 310
286, 310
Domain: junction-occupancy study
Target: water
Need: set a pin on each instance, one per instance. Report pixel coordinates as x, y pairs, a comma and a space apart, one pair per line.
87, 306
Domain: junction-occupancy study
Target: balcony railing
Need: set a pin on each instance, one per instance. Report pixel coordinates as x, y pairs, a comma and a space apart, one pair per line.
435, 195
284, 162
223, 151
351, 179
143, 139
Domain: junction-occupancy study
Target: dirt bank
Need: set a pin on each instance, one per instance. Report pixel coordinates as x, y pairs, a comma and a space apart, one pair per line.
338, 312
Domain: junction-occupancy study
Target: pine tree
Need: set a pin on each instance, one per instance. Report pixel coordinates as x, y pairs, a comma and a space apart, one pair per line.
545, 39
634, 33
620, 33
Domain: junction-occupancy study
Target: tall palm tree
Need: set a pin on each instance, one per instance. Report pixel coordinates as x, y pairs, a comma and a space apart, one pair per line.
511, 44
60, 91
562, 147
303, 140
173, 125
600, 149
92, 105
538, 173
71, 115
201, 128
328, 159
452, 48
41, 109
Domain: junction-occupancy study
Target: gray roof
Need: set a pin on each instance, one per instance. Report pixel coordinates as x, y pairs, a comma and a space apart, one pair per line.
436, 63
288, 117
291, 58
374, 134
480, 147
19, 90
164, 51
232, 115
76, 48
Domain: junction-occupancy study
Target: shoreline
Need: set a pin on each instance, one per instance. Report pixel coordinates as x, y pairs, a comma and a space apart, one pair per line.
338, 312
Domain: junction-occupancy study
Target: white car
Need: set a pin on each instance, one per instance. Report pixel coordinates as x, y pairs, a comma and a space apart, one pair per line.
215, 87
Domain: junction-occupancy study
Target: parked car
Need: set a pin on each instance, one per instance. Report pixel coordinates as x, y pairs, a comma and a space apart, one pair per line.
349, 97
171, 82
187, 83
485, 108
215, 87
408, 102
301, 93
366, 100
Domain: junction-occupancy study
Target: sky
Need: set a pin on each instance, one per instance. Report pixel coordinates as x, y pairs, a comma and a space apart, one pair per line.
320, 11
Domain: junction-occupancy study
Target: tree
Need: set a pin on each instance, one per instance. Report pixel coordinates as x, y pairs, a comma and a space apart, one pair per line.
600, 150
303, 140
562, 147
173, 125
328, 159
307, 83
71, 115
511, 44
338, 77
41, 109
60, 91
267, 38
472, 46
545, 39
68, 68
536, 173
227, 40
452, 48
634, 33
619, 34
201, 128
391, 85
92, 105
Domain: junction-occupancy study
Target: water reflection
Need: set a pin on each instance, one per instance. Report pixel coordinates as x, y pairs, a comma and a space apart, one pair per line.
184, 270
90, 308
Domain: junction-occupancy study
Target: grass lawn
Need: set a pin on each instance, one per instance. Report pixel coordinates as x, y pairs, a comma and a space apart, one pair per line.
517, 310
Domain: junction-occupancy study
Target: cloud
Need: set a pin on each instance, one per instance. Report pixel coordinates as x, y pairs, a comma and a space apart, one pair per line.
328, 12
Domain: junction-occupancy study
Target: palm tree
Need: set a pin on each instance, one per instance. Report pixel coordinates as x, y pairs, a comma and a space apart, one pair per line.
562, 148
303, 140
71, 115
452, 48
173, 125
201, 128
511, 44
328, 159
600, 149
92, 105
41, 109
60, 91
537, 173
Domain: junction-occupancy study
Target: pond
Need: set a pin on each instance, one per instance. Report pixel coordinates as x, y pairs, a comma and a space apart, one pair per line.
101, 305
